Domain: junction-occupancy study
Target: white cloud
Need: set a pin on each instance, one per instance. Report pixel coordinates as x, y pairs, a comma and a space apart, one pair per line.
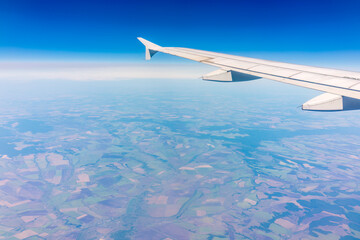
110, 69
99, 71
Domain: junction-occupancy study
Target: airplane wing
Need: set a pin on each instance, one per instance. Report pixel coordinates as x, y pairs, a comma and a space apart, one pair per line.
342, 88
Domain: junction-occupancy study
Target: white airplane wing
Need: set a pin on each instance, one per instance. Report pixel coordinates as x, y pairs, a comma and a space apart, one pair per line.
342, 88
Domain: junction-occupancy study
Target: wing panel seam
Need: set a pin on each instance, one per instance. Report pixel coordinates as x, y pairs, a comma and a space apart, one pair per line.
299, 80
261, 64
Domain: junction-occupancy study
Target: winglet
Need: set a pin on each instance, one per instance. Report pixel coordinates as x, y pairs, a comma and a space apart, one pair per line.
151, 48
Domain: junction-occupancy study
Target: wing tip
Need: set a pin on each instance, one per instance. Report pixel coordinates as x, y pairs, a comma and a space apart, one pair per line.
151, 48
149, 44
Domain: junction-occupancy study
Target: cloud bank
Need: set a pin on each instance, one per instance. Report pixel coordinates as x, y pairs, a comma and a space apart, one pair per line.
98, 71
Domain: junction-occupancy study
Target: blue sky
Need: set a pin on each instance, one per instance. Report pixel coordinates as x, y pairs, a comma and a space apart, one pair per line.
229, 26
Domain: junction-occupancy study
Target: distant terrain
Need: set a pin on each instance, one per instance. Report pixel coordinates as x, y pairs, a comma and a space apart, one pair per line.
158, 159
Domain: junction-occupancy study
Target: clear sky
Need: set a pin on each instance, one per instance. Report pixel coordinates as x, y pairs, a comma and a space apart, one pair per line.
106, 26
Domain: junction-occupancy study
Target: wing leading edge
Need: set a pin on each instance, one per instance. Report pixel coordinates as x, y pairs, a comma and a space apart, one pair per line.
342, 87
